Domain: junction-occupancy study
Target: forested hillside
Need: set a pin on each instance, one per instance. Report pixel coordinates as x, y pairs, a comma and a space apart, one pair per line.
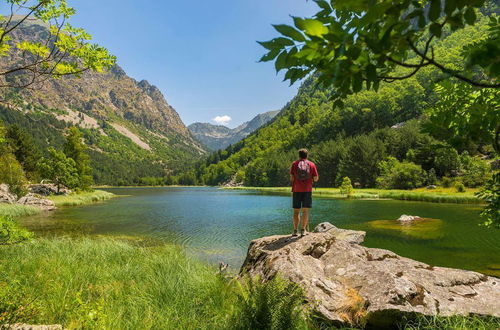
131, 131
376, 138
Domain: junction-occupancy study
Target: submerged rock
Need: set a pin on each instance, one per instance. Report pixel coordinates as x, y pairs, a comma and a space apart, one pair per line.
5, 195
36, 200
406, 218
345, 281
425, 228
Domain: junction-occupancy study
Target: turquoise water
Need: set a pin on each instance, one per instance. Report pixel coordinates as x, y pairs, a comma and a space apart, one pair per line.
217, 225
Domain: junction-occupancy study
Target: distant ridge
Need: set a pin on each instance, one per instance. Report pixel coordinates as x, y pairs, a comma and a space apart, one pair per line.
216, 137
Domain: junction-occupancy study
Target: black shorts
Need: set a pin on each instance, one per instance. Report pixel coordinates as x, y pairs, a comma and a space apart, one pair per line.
302, 199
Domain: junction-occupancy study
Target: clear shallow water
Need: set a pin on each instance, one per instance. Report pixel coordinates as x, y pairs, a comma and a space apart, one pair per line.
217, 225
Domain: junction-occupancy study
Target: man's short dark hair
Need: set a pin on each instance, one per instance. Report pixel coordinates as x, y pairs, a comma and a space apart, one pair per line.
303, 153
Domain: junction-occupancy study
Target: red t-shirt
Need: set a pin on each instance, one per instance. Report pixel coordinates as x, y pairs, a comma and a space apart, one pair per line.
303, 185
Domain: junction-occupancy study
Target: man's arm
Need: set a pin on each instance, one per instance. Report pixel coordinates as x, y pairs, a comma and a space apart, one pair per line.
315, 174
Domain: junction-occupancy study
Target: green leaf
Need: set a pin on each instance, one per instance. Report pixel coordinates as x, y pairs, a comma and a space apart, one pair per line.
270, 56
435, 29
450, 6
421, 21
371, 72
323, 5
311, 27
357, 83
290, 32
470, 16
281, 61
353, 52
434, 10
276, 43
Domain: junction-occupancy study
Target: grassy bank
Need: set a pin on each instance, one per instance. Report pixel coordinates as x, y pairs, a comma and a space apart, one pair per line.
104, 283
111, 284
440, 195
81, 198
18, 210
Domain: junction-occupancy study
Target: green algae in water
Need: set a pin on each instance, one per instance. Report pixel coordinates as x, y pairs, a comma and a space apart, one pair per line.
423, 229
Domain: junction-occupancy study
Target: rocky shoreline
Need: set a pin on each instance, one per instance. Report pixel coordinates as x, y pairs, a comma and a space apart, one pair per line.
35, 197
347, 283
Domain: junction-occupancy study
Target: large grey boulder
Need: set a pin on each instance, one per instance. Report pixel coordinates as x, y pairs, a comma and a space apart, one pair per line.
345, 281
47, 189
5, 195
37, 201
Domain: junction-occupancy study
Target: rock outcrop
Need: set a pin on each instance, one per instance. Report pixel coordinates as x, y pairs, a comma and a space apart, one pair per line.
37, 201
345, 281
47, 189
5, 195
409, 218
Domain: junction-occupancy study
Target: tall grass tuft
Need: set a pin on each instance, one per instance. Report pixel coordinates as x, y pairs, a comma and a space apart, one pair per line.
18, 210
451, 323
110, 284
81, 198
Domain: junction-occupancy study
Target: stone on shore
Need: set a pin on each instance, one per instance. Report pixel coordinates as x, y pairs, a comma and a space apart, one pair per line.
5, 195
37, 201
346, 282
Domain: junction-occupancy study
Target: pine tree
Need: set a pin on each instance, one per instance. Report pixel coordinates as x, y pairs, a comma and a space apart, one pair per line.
75, 149
24, 149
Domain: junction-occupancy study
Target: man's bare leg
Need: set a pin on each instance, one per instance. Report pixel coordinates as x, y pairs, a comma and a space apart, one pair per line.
296, 219
305, 218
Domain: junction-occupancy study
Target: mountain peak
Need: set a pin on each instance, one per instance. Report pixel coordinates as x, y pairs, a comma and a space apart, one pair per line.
217, 137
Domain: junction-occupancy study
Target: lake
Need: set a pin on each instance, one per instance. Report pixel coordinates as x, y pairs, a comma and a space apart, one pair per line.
217, 225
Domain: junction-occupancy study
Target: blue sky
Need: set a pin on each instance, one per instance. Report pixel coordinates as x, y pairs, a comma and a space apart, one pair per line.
201, 54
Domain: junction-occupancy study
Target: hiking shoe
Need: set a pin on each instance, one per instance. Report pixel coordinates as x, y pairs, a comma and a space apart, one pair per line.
295, 233
303, 233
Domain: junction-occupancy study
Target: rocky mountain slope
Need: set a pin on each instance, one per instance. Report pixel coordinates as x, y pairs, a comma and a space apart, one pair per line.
124, 121
217, 137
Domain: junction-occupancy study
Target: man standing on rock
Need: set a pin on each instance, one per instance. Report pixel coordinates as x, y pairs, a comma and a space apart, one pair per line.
302, 174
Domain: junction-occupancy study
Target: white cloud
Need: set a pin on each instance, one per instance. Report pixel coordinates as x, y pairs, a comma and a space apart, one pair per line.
222, 120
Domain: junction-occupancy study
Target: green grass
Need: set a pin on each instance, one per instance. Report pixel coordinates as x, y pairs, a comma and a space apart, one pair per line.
441, 195
451, 323
18, 210
81, 198
104, 283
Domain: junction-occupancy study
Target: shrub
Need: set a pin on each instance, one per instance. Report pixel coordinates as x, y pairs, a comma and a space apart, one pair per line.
459, 186
476, 172
11, 173
447, 182
346, 187
400, 175
11, 233
431, 177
